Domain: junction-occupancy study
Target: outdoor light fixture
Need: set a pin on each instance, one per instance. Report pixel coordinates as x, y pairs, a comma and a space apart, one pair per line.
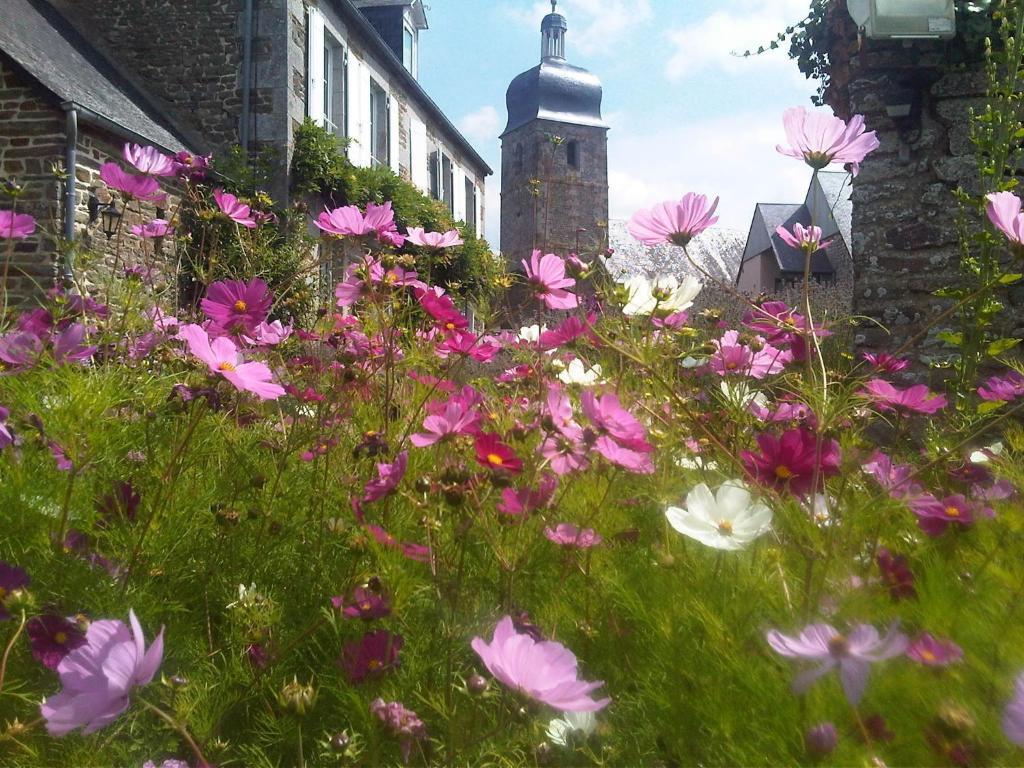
111, 217
579, 231
904, 19
903, 107
93, 206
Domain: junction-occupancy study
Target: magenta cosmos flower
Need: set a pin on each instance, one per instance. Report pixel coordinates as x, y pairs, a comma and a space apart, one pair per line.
933, 652
1003, 388
388, 478
12, 580
435, 240
546, 275
788, 463
402, 722
99, 676
234, 209
1004, 211
349, 221
620, 437
366, 604
731, 358
236, 306
149, 160
456, 416
918, 398
371, 656
518, 502
674, 222
442, 309
16, 226
934, 515
852, 655
221, 355
819, 139
492, 453
131, 186
545, 671
53, 637
567, 535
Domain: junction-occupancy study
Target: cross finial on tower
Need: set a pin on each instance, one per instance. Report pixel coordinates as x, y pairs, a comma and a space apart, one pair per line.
554, 6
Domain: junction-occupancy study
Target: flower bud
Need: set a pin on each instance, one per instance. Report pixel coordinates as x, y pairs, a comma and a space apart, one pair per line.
476, 684
297, 697
820, 740
340, 741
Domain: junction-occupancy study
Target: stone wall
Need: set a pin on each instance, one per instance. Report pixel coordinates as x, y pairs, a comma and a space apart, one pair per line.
32, 153
905, 243
544, 200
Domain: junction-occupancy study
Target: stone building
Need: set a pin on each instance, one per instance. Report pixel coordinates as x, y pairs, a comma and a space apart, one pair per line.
205, 75
554, 156
65, 109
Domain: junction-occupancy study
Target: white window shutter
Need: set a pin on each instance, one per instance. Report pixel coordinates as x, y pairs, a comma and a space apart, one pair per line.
418, 153
393, 138
458, 193
315, 74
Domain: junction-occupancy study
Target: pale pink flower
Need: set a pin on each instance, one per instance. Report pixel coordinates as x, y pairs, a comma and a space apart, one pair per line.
221, 355
154, 228
233, 208
545, 671
456, 416
348, 221
149, 160
918, 398
802, 238
16, 226
435, 240
674, 222
546, 275
732, 358
820, 139
567, 535
131, 186
1004, 211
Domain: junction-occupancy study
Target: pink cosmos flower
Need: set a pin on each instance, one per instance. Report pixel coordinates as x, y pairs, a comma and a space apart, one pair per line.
802, 238
780, 324
757, 360
1003, 388
16, 226
370, 276
434, 240
221, 355
918, 398
883, 361
69, 345
1004, 211
567, 535
6, 436
234, 209
895, 478
819, 139
788, 463
53, 637
191, 167
852, 655
348, 221
268, 334
456, 416
440, 307
388, 478
402, 722
522, 501
483, 349
932, 652
934, 515
546, 275
674, 222
620, 437
152, 229
1013, 715
149, 160
563, 448
492, 453
99, 676
566, 332
131, 186
371, 656
545, 671
235, 306
896, 575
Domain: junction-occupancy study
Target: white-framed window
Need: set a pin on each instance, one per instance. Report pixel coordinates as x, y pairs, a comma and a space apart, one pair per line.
380, 125
327, 75
471, 204
409, 52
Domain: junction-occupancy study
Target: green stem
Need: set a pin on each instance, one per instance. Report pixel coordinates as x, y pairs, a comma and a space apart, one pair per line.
7, 649
180, 728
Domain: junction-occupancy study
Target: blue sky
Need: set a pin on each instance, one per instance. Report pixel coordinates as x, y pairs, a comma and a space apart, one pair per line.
685, 114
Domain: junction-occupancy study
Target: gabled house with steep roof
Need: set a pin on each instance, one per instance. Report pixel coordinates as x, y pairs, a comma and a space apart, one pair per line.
769, 264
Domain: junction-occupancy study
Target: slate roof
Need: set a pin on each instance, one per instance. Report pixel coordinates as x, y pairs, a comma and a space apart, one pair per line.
43, 43
788, 258
838, 191
716, 250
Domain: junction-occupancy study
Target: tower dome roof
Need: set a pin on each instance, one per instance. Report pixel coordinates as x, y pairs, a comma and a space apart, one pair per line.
554, 89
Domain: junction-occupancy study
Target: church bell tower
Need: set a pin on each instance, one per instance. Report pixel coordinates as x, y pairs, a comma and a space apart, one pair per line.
554, 156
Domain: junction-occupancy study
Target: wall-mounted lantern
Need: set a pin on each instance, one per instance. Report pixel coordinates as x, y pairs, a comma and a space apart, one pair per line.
111, 216
904, 19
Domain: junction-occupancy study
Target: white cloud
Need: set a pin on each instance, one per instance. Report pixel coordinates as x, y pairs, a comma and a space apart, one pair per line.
713, 42
730, 156
595, 26
481, 126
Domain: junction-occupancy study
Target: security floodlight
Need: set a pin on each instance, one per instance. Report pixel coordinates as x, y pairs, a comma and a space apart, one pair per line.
904, 19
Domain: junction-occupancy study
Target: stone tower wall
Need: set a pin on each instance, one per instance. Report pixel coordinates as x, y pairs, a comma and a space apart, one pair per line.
544, 200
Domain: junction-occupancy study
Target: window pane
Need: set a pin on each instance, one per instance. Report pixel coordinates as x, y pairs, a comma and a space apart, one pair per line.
407, 41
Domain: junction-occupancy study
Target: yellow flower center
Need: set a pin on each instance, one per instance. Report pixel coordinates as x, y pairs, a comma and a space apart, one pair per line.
732, 366
241, 306
928, 655
226, 366
374, 665
495, 459
3, 593
725, 527
390, 277
952, 511
783, 472
450, 326
838, 646
60, 638
365, 605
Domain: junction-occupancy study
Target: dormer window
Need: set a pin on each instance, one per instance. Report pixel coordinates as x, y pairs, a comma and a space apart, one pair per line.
572, 154
409, 52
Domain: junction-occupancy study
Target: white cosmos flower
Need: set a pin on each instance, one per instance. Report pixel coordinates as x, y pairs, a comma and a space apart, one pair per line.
562, 729
984, 455
741, 394
696, 462
531, 333
577, 373
730, 519
663, 294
